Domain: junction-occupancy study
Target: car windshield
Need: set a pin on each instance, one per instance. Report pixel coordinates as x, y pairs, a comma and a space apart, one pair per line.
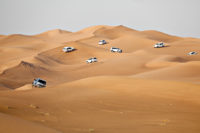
42, 81
67, 48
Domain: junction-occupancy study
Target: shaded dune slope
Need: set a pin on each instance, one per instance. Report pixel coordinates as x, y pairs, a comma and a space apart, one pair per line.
21, 74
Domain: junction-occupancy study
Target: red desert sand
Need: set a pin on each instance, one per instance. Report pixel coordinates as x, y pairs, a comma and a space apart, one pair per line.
141, 90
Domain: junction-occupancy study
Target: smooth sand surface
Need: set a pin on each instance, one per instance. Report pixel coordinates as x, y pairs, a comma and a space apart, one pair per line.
142, 90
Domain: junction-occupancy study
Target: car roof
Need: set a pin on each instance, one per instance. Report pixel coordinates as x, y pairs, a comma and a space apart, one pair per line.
39, 79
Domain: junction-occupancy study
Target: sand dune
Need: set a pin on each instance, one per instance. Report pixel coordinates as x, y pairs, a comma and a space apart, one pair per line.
92, 29
142, 89
165, 61
159, 36
53, 33
13, 125
25, 87
21, 74
1, 36
120, 104
15, 48
114, 32
187, 71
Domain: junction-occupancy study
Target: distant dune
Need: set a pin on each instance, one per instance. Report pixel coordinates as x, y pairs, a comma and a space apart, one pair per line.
143, 89
159, 36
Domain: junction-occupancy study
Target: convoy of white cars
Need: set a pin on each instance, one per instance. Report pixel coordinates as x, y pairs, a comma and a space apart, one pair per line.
93, 59
42, 83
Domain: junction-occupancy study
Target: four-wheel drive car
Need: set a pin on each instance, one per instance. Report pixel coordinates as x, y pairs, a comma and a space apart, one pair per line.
68, 49
102, 42
159, 45
39, 83
113, 49
192, 53
91, 60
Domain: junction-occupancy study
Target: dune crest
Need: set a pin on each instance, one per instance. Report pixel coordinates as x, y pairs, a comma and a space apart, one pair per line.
52, 33
25, 87
159, 36
92, 29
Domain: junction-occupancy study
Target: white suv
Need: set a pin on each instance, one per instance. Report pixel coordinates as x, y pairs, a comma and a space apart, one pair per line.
39, 83
159, 45
113, 49
102, 42
192, 53
68, 49
91, 60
